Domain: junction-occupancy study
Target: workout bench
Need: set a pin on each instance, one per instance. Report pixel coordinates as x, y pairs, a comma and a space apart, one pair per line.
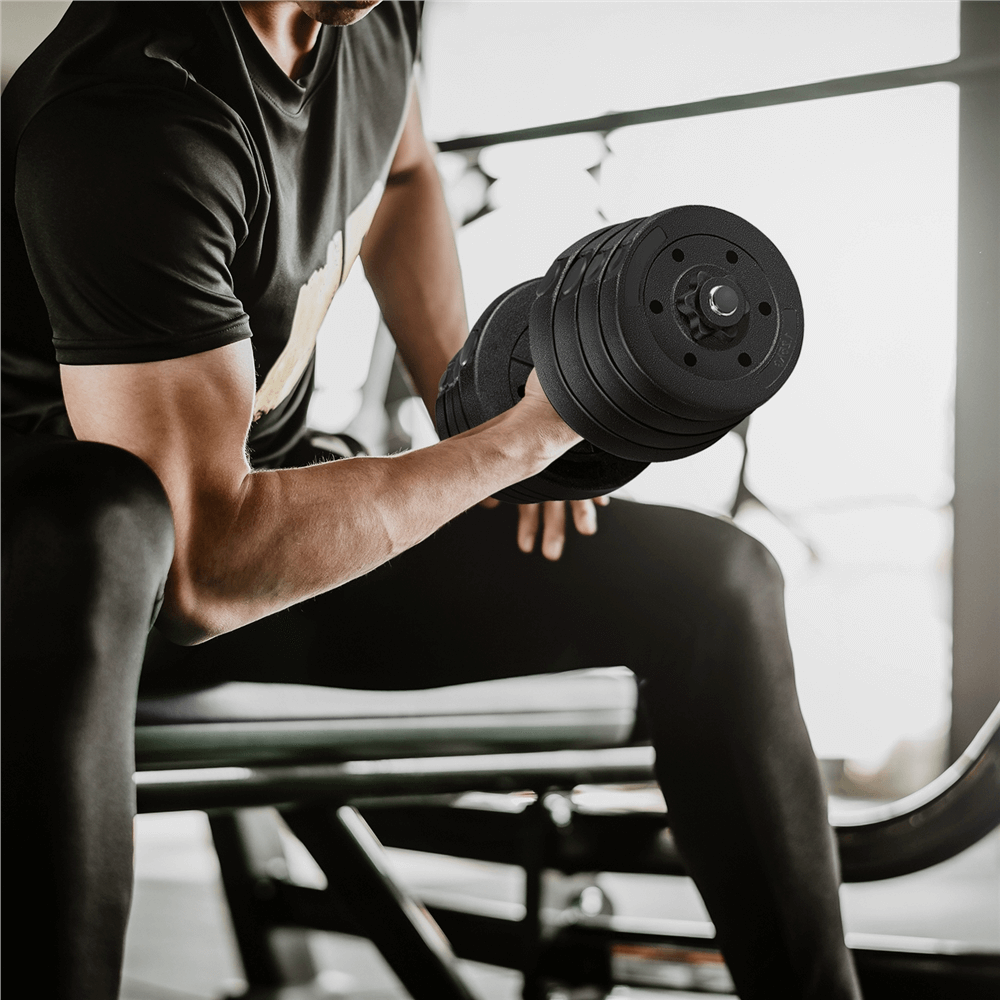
348, 769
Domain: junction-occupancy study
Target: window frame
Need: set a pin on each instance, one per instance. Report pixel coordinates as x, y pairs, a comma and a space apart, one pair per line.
976, 502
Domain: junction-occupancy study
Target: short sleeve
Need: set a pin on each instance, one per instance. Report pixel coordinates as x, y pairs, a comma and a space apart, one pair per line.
132, 208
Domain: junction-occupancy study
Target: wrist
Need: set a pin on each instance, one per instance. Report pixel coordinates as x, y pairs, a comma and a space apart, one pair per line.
541, 430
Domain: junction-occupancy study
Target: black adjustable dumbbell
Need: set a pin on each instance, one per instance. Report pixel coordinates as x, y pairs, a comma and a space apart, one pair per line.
652, 339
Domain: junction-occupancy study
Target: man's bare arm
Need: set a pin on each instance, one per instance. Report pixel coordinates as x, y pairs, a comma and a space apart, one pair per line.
252, 543
421, 298
412, 265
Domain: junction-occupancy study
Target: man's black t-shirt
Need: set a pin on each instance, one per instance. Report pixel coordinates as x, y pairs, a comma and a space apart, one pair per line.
168, 190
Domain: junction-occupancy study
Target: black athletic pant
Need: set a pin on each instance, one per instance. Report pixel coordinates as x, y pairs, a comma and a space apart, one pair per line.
688, 602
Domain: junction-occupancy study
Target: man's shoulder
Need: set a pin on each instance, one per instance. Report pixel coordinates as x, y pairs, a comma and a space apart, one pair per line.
137, 136
136, 65
131, 113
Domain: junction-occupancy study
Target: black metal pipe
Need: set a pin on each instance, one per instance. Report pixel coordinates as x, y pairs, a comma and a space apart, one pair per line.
354, 864
957, 70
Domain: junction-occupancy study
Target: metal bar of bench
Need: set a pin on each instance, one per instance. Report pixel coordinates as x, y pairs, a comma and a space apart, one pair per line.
248, 845
353, 861
949, 815
235, 787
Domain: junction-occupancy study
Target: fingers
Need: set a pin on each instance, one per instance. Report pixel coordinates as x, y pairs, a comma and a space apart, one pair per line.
584, 516
552, 514
554, 529
527, 526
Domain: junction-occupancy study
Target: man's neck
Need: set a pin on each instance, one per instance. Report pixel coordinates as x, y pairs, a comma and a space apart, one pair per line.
286, 31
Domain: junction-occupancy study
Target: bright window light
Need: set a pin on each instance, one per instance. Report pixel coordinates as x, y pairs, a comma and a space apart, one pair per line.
860, 195
343, 353
494, 66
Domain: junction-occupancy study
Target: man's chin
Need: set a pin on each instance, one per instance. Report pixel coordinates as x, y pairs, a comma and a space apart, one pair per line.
338, 13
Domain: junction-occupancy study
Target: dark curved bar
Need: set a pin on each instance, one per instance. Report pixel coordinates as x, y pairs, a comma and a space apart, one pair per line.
937, 822
941, 820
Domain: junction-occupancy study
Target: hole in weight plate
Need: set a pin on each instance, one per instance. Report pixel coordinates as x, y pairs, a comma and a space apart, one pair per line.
764, 309
656, 306
520, 392
678, 255
744, 359
690, 360
732, 256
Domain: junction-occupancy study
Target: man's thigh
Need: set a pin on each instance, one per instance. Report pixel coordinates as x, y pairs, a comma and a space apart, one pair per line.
468, 605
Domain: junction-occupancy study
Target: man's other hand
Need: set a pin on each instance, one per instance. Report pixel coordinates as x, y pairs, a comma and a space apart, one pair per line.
552, 516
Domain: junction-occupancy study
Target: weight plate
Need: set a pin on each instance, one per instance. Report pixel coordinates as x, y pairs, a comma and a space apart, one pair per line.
661, 410
543, 346
490, 365
458, 410
484, 379
476, 385
466, 416
680, 327
673, 352
550, 285
631, 438
455, 414
626, 382
585, 471
575, 478
561, 290
652, 338
606, 376
557, 384
608, 428
513, 495
444, 419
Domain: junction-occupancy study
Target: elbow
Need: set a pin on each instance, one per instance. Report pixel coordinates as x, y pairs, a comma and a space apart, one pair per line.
204, 596
186, 627
192, 614
183, 630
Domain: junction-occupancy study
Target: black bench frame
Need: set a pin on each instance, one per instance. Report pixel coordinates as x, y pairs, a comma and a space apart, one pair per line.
334, 809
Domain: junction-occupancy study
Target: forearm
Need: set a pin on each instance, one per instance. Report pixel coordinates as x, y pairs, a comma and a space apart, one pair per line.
283, 536
412, 265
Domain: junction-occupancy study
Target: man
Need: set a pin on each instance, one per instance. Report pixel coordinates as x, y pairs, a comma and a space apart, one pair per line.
185, 187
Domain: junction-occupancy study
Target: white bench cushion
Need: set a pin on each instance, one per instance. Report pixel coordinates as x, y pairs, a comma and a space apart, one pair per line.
249, 723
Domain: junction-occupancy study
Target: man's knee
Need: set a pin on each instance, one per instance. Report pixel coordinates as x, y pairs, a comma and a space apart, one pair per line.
748, 570
724, 594
87, 511
709, 560
743, 636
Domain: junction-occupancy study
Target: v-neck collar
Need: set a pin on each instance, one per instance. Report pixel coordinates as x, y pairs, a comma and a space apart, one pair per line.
289, 96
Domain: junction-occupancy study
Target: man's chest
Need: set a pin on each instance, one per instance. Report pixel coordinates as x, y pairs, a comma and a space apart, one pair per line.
324, 177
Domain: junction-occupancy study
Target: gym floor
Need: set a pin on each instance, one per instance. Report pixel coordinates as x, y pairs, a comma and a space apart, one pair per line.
180, 944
